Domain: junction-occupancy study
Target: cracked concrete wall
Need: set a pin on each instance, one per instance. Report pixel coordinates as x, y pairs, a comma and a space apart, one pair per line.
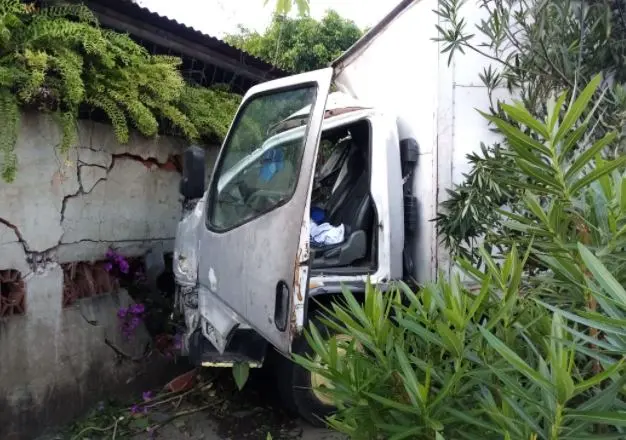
104, 194
59, 210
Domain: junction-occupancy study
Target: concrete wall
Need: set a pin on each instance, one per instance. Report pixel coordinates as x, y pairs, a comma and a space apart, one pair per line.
53, 360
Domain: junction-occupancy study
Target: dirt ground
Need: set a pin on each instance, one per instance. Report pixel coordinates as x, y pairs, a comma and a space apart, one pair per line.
248, 414
219, 411
201, 426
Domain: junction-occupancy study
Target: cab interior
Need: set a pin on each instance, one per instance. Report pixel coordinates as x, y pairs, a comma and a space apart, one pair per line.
341, 191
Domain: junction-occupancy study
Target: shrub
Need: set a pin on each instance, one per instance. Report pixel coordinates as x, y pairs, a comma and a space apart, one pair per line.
58, 59
538, 350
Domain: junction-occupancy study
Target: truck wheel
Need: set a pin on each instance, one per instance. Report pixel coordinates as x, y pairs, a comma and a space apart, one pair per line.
302, 391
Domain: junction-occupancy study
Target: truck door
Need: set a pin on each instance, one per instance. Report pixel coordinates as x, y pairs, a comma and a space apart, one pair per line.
256, 202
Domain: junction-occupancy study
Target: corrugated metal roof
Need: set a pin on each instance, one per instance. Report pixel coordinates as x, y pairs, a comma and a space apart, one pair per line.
132, 10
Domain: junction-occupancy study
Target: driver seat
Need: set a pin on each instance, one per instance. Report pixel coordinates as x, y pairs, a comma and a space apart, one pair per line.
350, 204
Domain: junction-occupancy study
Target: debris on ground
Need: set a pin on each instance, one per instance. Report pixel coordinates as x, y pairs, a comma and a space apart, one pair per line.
199, 404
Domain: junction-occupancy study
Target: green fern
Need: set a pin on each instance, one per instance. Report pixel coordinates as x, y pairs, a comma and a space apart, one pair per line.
8, 134
58, 58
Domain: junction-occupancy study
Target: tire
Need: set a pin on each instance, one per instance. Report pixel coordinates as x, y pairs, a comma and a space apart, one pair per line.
296, 388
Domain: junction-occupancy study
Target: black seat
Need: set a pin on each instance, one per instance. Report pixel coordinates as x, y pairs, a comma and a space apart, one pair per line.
350, 204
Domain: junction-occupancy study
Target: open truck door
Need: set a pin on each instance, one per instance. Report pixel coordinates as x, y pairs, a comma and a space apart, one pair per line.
255, 206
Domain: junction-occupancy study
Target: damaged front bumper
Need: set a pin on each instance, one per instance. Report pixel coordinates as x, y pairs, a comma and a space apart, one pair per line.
204, 315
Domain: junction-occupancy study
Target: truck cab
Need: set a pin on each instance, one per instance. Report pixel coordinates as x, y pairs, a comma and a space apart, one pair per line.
312, 192
308, 194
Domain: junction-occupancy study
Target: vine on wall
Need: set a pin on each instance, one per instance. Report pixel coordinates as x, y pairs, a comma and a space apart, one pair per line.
56, 58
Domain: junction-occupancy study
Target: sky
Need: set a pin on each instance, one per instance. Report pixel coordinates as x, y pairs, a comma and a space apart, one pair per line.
219, 17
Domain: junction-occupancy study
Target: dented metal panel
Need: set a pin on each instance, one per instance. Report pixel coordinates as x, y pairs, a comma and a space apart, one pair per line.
244, 268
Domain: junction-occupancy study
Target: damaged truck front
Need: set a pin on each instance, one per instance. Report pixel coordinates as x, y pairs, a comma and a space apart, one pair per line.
313, 192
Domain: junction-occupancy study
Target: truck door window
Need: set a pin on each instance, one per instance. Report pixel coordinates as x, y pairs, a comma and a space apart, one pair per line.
258, 169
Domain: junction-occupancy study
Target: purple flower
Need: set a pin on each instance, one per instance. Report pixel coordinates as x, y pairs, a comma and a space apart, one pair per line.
108, 267
135, 409
147, 395
178, 342
110, 253
121, 313
137, 309
124, 266
134, 322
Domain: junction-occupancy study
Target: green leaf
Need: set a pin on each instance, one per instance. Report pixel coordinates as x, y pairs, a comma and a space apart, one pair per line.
598, 173
572, 140
480, 299
578, 107
393, 404
515, 361
611, 418
622, 202
241, 370
593, 323
601, 274
452, 342
555, 111
139, 423
411, 384
521, 115
599, 378
586, 157
533, 204
516, 136
537, 173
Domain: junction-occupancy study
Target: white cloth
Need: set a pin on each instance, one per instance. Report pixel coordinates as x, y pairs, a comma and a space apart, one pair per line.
326, 234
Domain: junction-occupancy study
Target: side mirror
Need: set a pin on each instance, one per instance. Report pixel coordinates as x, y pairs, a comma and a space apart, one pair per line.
192, 182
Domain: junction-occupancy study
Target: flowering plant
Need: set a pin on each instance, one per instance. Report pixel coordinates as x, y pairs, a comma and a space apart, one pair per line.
116, 260
130, 318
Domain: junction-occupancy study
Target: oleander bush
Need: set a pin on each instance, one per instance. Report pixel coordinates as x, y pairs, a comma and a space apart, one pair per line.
537, 350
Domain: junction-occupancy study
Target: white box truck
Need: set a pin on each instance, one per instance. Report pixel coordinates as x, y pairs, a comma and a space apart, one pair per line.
315, 190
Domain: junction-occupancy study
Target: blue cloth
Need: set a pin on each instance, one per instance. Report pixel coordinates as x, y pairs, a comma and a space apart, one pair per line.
317, 215
273, 162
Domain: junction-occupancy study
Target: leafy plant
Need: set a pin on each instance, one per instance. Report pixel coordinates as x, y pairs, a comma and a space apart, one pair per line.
299, 44
536, 351
58, 59
451, 363
535, 49
284, 7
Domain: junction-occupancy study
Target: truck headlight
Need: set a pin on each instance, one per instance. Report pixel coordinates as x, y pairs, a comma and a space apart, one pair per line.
185, 270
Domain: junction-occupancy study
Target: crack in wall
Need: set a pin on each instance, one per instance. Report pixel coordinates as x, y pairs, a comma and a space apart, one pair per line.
18, 234
38, 260
130, 240
171, 164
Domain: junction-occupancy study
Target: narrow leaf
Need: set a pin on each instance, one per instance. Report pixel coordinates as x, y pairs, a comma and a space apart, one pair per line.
598, 173
241, 370
522, 115
578, 107
613, 418
602, 275
515, 361
586, 157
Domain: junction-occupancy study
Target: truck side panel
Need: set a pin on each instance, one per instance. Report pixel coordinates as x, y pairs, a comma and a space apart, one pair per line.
397, 73
400, 68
